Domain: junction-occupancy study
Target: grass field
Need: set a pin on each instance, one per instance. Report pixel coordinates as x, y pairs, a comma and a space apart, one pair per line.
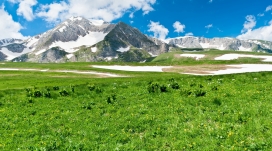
141, 111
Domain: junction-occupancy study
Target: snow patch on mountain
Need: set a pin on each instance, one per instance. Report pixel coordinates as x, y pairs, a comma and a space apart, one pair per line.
31, 41
123, 49
152, 55
11, 55
94, 49
88, 40
97, 22
208, 45
69, 56
5, 42
62, 29
40, 52
241, 48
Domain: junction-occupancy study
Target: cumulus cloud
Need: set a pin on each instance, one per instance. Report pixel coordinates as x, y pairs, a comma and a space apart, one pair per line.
210, 1
107, 10
25, 8
159, 30
268, 8
179, 28
189, 34
262, 33
53, 12
209, 26
261, 14
8, 27
249, 23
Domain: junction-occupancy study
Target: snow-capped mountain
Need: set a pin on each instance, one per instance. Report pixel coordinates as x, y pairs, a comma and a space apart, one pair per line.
12, 48
5, 42
221, 43
85, 40
80, 39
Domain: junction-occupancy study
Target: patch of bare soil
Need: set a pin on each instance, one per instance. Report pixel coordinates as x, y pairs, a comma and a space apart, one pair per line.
197, 69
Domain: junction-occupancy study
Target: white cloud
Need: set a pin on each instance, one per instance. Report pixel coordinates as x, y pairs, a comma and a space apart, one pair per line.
159, 30
209, 26
53, 13
261, 14
249, 23
210, 1
268, 8
131, 15
262, 33
8, 27
179, 28
189, 34
25, 8
107, 10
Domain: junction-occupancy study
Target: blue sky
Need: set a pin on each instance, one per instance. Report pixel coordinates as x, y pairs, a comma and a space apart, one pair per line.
244, 19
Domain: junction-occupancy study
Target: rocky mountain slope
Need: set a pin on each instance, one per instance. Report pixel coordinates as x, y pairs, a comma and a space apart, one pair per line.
221, 44
79, 39
84, 40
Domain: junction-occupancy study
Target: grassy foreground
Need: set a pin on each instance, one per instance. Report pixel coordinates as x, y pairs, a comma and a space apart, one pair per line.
153, 112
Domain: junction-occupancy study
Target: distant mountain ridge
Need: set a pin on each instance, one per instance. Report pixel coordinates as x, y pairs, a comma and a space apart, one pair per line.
221, 43
80, 39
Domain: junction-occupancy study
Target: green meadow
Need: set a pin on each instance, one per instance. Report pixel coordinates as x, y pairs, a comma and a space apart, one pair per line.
137, 111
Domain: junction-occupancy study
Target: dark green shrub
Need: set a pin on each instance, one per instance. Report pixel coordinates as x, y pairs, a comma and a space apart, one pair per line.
153, 87
88, 106
214, 88
186, 92
200, 93
163, 88
37, 93
111, 99
174, 85
217, 101
47, 93
55, 88
28, 92
98, 90
63, 93
91, 87
72, 88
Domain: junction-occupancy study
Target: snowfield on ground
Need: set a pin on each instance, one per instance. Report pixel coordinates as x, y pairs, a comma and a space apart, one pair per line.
134, 68
196, 56
231, 69
243, 68
236, 56
88, 40
63, 71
